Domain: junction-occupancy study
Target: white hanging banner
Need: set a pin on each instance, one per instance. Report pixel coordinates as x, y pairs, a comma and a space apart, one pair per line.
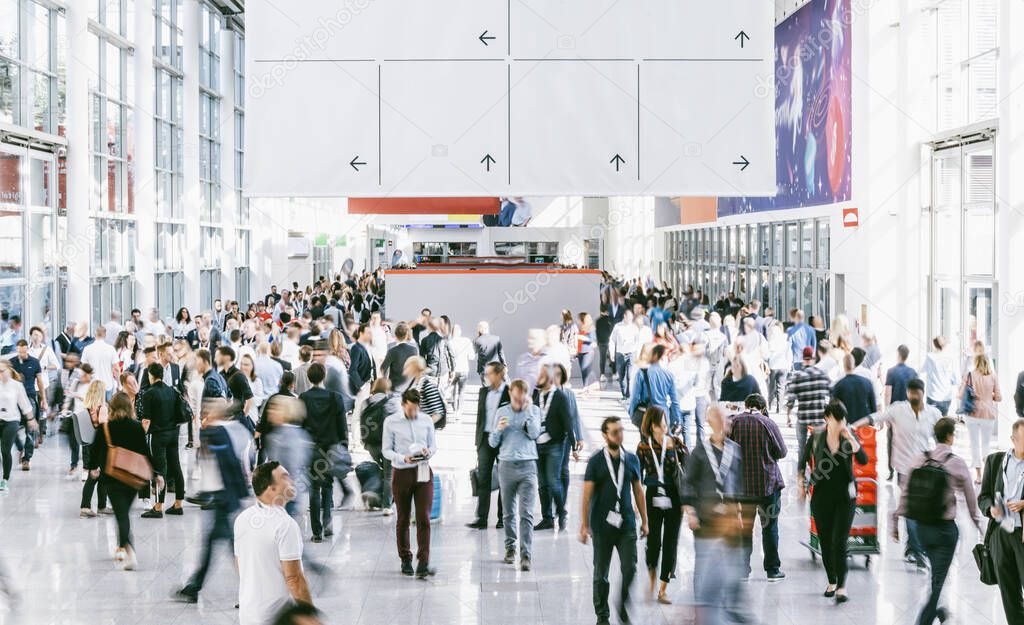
368, 98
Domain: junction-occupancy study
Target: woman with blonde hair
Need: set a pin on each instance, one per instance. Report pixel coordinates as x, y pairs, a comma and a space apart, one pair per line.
14, 406
95, 403
981, 421
431, 402
586, 338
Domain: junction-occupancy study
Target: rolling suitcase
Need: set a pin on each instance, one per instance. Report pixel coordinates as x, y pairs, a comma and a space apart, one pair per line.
371, 483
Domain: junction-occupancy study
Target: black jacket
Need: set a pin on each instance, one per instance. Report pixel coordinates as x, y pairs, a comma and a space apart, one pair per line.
604, 326
161, 406
481, 412
394, 362
435, 350
488, 349
325, 417
991, 483
558, 421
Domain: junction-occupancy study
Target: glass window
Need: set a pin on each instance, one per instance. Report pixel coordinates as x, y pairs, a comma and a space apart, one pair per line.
807, 244
792, 245
979, 213
778, 247
12, 261
823, 244
10, 179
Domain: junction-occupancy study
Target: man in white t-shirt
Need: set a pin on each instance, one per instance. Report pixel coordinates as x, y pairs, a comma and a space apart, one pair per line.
102, 356
268, 549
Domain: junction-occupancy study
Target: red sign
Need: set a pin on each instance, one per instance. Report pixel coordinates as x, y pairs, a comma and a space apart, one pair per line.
851, 218
424, 206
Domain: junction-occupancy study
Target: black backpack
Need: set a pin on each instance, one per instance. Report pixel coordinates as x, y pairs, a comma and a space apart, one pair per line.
926, 487
372, 421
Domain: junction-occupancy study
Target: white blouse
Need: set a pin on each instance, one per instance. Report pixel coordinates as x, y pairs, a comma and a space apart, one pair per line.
13, 401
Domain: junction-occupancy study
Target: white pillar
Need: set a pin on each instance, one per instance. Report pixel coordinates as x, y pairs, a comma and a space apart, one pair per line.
191, 196
229, 203
77, 251
145, 181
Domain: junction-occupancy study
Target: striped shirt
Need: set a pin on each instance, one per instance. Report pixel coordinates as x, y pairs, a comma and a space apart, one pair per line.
761, 447
431, 402
809, 388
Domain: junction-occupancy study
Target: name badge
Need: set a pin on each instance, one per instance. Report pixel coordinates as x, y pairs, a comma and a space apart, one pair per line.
423, 472
614, 519
662, 503
544, 438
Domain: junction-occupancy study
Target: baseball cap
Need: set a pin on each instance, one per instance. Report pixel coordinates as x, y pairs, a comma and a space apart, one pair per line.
808, 352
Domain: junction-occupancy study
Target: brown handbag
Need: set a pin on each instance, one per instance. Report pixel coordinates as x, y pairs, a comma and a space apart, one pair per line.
126, 466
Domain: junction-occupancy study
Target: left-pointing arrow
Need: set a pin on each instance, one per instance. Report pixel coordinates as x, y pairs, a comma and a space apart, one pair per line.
488, 160
484, 38
355, 161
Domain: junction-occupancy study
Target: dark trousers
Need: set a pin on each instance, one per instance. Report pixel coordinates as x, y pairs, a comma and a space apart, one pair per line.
605, 359
321, 499
408, 491
768, 509
663, 539
486, 456
167, 462
604, 544
92, 484
833, 518
1008, 557
939, 544
75, 447
549, 470
888, 446
566, 454
458, 386
776, 387
385, 468
121, 498
624, 369
8, 434
28, 448
219, 528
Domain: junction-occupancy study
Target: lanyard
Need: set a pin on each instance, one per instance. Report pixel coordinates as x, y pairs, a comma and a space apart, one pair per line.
719, 467
659, 464
617, 479
545, 404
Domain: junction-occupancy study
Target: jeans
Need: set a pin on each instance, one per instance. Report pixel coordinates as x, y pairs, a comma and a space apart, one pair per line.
8, 434
700, 412
518, 479
980, 431
407, 491
321, 499
768, 509
167, 462
385, 468
801, 441
566, 454
663, 539
75, 447
549, 468
121, 498
624, 369
716, 576
604, 543
28, 448
942, 406
913, 543
220, 528
776, 387
939, 544
586, 361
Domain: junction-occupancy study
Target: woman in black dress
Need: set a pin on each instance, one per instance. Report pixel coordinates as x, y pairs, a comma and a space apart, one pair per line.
832, 450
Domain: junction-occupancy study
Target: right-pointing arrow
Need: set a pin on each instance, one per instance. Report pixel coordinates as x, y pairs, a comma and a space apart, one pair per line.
618, 160
743, 162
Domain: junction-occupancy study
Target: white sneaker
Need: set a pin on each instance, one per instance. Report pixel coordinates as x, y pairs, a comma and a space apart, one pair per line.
130, 562
388, 511
3, 485
85, 475
119, 555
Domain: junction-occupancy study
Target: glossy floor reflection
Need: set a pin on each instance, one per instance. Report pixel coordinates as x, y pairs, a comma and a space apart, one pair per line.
63, 570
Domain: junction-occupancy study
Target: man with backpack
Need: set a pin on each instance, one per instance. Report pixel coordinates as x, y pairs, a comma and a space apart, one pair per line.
379, 406
929, 498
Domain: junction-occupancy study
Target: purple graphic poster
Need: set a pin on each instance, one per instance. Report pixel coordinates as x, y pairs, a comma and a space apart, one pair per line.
812, 111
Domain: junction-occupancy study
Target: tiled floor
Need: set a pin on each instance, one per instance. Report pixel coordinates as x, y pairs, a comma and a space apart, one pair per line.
64, 573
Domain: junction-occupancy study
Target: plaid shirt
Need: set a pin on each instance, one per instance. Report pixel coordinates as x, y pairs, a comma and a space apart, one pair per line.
761, 448
809, 388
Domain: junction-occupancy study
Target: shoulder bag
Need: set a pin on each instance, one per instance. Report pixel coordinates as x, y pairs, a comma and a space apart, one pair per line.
126, 466
638, 413
967, 401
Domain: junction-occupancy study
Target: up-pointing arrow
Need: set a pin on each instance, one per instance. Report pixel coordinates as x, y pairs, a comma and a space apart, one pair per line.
484, 38
742, 37
743, 162
488, 160
618, 160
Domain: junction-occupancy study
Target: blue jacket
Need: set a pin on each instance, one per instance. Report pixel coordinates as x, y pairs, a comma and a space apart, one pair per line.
216, 441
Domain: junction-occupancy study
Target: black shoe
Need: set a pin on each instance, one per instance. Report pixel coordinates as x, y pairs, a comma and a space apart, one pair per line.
174, 511
477, 525
524, 563
776, 576
423, 571
510, 555
830, 593
209, 505
563, 523
546, 524
891, 475
317, 539
499, 525
841, 599
152, 513
329, 532
943, 614
187, 595
407, 568
199, 501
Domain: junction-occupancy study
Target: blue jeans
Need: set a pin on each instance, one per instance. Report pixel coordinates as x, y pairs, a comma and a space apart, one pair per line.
518, 479
716, 577
939, 544
549, 468
913, 542
624, 368
768, 508
942, 406
220, 528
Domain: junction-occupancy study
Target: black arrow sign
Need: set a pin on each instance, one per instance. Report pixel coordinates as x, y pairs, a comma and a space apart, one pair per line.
743, 37
743, 162
484, 38
488, 160
355, 161
618, 160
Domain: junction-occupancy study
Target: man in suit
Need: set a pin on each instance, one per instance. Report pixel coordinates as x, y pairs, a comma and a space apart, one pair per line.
397, 354
492, 396
325, 421
488, 348
553, 444
1007, 546
362, 371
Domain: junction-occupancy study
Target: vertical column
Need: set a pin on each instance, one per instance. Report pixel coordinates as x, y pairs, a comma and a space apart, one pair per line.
77, 252
229, 203
145, 180
192, 29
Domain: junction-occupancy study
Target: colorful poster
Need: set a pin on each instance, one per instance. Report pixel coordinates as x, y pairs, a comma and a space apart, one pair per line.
813, 101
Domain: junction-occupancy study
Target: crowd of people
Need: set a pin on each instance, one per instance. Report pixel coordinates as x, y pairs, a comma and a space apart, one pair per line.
265, 408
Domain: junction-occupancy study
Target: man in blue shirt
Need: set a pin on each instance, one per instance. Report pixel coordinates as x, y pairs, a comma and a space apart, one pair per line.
801, 335
31, 373
896, 380
611, 484
661, 385
515, 437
